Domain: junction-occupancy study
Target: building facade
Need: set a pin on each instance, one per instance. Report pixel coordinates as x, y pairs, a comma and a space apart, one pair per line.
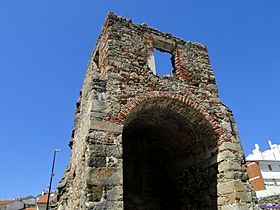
255, 175
264, 168
143, 141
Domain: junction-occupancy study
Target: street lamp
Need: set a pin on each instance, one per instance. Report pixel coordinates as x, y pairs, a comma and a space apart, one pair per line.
52, 174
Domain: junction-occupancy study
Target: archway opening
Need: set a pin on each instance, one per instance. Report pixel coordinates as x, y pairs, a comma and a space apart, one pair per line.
168, 156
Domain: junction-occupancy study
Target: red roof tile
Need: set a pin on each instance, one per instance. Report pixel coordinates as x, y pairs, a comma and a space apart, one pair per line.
43, 198
3, 202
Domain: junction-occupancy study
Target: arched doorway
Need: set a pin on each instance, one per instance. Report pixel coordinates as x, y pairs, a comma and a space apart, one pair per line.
168, 151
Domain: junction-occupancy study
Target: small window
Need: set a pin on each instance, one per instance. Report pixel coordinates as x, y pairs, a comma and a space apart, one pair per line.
102, 96
269, 167
163, 63
96, 59
161, 59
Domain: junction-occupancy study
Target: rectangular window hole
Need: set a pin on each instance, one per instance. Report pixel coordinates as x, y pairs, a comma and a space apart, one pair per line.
102, 96
164, 64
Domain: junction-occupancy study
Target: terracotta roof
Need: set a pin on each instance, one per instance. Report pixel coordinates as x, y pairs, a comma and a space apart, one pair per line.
43, 198
30, 208
3, 202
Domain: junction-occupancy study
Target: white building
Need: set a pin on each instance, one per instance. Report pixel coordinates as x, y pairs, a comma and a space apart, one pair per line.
272, 154
269, 164
42, 200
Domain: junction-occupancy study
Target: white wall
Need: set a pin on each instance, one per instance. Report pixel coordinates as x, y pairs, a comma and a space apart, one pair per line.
41, 206
275, 166
271, 175
271, 154
268, 192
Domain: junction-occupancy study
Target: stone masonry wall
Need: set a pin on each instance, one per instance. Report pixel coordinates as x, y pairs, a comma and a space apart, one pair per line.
270, 201
121, 88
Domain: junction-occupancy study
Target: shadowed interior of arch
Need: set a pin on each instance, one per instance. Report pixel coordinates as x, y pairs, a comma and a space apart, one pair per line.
168, 158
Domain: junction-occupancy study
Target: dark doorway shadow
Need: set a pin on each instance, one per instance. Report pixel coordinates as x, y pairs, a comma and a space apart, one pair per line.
169, 160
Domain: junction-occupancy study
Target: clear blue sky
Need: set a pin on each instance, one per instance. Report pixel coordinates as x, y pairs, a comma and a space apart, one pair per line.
45, 47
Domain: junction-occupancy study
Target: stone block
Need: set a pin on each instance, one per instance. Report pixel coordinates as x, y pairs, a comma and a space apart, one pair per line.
226, 155
97, 106
97, 116
114, 151
226, 126
94, 193
221, 200
105, 176
229, 165
230, 146
97, 161
115, 194
98, 150
236, 175
239, 197
235, 206
230, 187
108, 205
105, 126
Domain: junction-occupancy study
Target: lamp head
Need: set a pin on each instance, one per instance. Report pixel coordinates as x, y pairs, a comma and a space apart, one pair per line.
58, 150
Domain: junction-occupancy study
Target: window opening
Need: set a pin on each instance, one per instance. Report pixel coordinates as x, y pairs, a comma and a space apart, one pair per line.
163, 63
96, 59
102, 96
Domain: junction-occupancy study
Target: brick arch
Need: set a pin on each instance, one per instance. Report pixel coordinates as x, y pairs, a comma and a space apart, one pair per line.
123, 114
174, 129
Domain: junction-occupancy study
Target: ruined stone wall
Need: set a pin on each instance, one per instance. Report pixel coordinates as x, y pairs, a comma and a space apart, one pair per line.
270, 201
124, 101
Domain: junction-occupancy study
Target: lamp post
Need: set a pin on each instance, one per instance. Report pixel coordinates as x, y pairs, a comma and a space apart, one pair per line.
52, 174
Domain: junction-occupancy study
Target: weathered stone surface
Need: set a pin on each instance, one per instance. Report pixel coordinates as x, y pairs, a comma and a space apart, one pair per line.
105, 126
115, 194
229, 187
229, 165
94, 193
239, 196
105, 176
222, 200
97, 161
108, 205
235, 206
230, 146
226, 155
236, 175
270, 201
226, 126
145, 141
